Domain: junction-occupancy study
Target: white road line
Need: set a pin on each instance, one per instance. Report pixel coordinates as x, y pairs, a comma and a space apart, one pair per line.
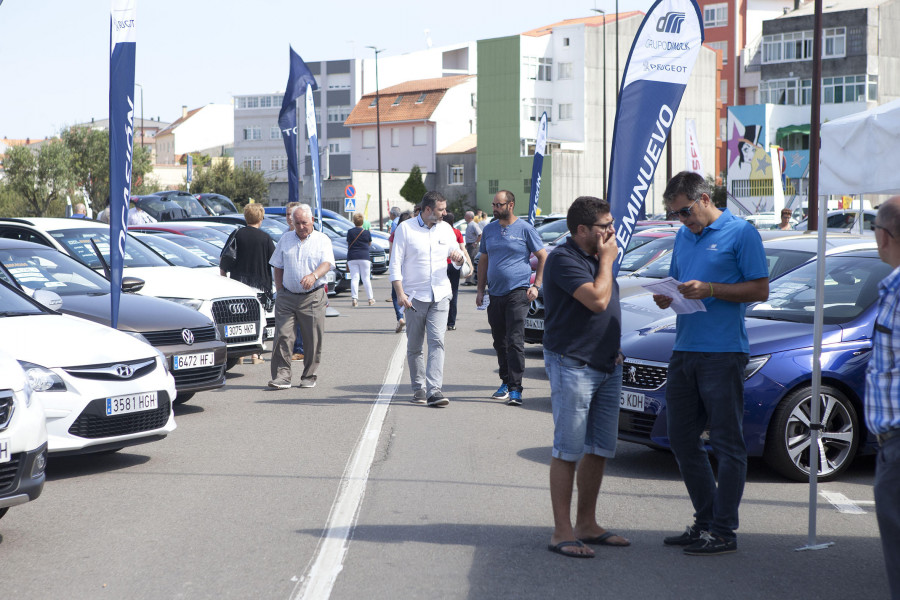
328, 559
842, 503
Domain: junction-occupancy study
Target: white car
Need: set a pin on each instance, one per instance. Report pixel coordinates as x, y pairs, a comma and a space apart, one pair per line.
23, 438
101, 389
233, 306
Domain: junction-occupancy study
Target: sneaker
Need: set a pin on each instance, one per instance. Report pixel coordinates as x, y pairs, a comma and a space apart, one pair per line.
502, 393
690, 536
280, 384
451, 327
437, 399
355, 302
418, 397
515, 398
308, 382
400, 325
371, 301
296, 356
711, 544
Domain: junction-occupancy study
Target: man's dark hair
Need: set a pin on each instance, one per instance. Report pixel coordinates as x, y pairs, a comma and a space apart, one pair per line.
450, 218
404, 216
510, 197
430, 199
688, 183
584, 211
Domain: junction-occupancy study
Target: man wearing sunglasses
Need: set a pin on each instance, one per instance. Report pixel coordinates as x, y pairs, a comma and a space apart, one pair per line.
720, 259
505, 266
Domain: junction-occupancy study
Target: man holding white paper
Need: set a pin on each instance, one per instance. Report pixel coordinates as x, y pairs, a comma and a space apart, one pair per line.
720, 259
419, 275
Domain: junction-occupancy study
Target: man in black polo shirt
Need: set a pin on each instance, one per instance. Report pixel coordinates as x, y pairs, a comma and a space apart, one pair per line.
582, 331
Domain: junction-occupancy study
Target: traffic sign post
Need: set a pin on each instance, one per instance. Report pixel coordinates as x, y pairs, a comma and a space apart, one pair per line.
349, 191
349, 205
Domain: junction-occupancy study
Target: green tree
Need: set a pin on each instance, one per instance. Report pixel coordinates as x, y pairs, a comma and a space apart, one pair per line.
719, 197
10, 204
249, 184
41, 179
239, 184
413, 189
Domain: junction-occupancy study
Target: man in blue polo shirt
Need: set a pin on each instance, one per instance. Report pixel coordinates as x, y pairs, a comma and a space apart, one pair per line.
505, 266
720, 259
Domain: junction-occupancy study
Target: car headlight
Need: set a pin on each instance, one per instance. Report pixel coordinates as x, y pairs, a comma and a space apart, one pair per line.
137, 336
755, 364
42, 379
189, 302
162, 360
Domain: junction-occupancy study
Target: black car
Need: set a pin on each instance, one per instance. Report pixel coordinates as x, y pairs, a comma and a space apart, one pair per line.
217, 204
194, 351
170, 206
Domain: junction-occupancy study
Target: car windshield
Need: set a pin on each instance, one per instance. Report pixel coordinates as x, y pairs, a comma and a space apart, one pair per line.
39, 269
656, 269
273, 228
14, 305
338, 226
851, 286
219, 205
552, 230
779, 261
175, 254
188, 204
77, 242
216, 237
208, 252
637, 257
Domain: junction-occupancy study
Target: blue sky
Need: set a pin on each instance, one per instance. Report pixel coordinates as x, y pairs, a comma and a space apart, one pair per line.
54, 54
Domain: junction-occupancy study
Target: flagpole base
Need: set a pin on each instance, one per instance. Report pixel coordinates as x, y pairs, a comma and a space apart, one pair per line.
814, 547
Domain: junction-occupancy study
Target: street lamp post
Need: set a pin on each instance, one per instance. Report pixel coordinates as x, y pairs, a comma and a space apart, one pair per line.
142, 113
378, 135
603, 12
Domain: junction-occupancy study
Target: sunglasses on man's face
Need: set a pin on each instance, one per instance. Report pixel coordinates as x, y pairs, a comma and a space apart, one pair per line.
683, 213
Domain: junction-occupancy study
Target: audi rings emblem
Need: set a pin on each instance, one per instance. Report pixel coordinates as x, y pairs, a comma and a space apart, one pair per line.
188, 336
124, 371
238, 308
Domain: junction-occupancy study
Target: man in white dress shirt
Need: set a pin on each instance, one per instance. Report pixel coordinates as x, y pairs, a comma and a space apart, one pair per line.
419, 276
301, 261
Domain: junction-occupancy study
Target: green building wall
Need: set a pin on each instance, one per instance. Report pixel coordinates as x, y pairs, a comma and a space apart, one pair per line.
499, 64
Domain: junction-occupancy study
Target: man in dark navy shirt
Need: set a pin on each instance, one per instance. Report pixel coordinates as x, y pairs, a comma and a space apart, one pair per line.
582, 331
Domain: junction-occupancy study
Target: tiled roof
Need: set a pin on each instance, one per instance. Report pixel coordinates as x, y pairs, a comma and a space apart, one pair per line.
409, 101
466, 145
25, 142
181, 120
587, 21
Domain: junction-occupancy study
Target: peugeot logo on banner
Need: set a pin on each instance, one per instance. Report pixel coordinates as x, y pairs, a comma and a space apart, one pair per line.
238, 308
188, 336
124, 371
670, 23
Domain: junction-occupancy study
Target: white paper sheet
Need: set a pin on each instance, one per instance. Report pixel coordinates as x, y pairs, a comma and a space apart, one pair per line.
680, 304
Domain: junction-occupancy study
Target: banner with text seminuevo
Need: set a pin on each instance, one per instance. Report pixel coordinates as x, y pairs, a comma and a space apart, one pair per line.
123, 42
658, 68
536, 167
314, 153
299, 78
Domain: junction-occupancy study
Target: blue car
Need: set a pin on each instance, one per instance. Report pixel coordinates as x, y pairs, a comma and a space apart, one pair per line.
778, 378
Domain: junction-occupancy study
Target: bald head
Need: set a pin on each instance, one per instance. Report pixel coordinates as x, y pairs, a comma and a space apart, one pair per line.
887, 231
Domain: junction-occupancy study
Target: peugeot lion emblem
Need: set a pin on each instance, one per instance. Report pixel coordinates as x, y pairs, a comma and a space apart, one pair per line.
188, 336
124, 371
632, 374
237, 308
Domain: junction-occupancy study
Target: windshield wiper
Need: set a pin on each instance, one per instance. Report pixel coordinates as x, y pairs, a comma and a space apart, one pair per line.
17, 313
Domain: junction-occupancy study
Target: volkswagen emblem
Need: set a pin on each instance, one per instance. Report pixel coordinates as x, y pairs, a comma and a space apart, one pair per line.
238, 308
188, 336
632, 374
124, 371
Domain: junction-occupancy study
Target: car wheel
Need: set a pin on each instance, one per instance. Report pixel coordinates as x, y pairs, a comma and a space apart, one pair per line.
787, 442
183, 397
231, 363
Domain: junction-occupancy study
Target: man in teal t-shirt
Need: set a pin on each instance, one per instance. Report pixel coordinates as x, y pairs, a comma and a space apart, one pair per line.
721, 261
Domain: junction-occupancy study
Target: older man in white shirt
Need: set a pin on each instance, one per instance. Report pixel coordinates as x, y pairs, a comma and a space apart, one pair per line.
301, 261
419, 276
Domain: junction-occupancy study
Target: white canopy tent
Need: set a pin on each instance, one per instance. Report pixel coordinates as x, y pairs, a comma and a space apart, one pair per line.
857, 156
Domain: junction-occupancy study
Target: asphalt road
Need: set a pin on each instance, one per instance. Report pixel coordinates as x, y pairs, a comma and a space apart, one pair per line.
255, 493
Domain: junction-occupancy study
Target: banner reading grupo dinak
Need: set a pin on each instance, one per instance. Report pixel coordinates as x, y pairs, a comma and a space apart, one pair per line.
656, 73
123, 42
536, 167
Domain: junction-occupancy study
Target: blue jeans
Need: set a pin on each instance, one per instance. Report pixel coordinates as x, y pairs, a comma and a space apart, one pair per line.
887, 490
298, 342
585, 407
398, 309
705, 390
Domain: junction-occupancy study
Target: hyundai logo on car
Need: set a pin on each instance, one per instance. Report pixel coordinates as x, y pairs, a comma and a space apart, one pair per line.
124, 371
188, 336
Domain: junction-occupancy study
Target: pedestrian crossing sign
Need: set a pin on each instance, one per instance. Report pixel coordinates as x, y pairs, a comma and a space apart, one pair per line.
349, 205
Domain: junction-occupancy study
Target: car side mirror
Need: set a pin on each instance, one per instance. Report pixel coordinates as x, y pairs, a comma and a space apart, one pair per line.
132, 285
49, 299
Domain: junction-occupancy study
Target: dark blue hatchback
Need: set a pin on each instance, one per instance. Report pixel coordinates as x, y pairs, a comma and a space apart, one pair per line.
778, 378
